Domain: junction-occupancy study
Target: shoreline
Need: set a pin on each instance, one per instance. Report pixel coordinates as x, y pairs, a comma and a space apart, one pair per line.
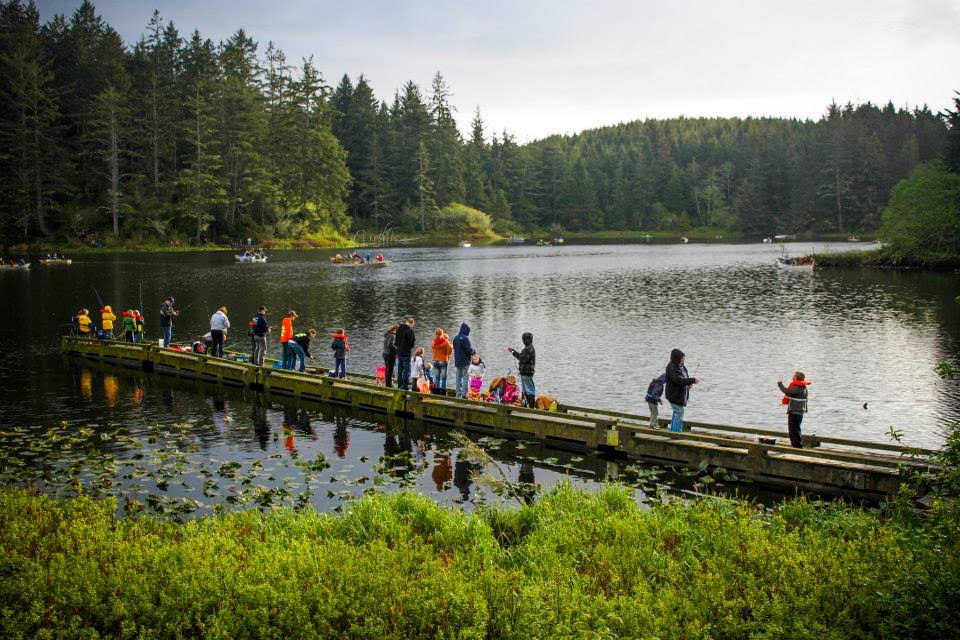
531, 239
879, 259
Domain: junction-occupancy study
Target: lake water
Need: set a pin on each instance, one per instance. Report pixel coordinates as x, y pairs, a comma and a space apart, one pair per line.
604, 320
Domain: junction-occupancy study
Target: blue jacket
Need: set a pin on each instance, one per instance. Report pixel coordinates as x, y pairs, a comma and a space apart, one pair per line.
462, 349
655, 390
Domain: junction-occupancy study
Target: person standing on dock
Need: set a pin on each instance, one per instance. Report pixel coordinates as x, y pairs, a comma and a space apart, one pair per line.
219, 323
167, 314
526, 362
406, 339
442, 350
138, 326
287, 357
654, 399
678, 388
258, 336
795, 397
340, 346
389, 354
106, 322
462, 350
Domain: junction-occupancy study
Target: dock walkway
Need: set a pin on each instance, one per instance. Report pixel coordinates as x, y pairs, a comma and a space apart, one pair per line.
828, 465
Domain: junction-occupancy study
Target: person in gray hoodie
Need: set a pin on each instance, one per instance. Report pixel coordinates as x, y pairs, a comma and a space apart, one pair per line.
462, 350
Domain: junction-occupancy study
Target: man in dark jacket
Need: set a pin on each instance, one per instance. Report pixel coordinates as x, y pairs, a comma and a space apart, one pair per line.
526, 363
462, 350
259, 328
405, 342
795, 397
678, 388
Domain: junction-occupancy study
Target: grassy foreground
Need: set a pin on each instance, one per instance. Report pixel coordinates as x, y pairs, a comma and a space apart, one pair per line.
571, 565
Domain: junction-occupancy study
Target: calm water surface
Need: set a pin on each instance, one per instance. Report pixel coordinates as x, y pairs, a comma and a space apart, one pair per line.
604, 321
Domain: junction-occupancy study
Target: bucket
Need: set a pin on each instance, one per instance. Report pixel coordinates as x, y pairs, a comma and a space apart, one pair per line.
159, 342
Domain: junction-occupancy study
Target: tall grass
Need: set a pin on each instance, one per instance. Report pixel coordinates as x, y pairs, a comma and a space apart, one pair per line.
400, 566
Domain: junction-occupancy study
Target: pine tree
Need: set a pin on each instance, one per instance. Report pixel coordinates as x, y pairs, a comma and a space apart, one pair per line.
445, 146
31, 157
109, 122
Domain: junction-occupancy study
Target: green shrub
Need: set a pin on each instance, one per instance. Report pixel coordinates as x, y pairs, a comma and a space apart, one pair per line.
921, 223
459, 219
570, 565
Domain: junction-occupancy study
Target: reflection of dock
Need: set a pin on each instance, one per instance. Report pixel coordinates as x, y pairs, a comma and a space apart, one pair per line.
827, 465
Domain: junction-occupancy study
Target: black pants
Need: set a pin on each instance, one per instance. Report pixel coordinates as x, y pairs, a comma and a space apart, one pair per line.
217, 348
388, 362
793, 425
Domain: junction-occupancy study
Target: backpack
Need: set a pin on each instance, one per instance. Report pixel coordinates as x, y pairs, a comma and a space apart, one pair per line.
655, 390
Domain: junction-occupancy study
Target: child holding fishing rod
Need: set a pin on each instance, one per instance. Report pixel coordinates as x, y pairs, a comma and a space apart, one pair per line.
795, 397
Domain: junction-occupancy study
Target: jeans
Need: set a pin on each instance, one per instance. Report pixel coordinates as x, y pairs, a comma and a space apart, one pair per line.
217, 349
403, 372
793, 425
388, 363
258, 350
654, 413
463, 381
286, 356
440, 376
167, 335
339, 368
295, 352
676, 423
129, 336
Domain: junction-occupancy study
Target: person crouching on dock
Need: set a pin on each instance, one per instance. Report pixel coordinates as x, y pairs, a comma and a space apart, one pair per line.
795, 397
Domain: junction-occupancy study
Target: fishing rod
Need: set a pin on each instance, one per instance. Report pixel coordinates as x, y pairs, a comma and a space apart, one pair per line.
99, 299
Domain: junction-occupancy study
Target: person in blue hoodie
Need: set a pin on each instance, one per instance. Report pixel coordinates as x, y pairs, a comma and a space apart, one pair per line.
462, 350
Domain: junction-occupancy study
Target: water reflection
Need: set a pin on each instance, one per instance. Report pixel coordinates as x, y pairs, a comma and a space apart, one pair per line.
604, 321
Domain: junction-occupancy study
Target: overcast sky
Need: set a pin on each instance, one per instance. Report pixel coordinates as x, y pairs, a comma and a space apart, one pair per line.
542, 67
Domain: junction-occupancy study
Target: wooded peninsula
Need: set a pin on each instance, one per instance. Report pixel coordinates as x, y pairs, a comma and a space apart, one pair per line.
176, 138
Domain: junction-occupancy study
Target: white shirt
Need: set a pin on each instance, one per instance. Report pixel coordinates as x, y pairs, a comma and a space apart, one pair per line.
476, 370
219, 321
416, 367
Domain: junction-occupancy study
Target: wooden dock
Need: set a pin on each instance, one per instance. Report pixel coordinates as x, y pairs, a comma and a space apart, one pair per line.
826, 465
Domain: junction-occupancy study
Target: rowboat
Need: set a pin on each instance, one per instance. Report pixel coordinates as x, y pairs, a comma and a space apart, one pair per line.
376, 264
15, 267
465, 244
250, 258
56, 261
805, 263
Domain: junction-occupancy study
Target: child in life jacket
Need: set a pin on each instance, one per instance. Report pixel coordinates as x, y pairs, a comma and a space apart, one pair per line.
475, 372
340, 346
106, 322
795, 397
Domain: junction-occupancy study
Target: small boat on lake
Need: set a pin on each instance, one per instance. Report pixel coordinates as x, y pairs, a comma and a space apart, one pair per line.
684, 239
516, 240
801, 263
465, 244
376, 264
853, 239
25, 266
50, 261
251, 257
355, 260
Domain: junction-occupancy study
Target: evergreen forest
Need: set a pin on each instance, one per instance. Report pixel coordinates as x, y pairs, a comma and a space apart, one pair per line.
178, 138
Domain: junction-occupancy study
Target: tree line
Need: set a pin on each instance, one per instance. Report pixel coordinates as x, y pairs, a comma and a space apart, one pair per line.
174, 137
